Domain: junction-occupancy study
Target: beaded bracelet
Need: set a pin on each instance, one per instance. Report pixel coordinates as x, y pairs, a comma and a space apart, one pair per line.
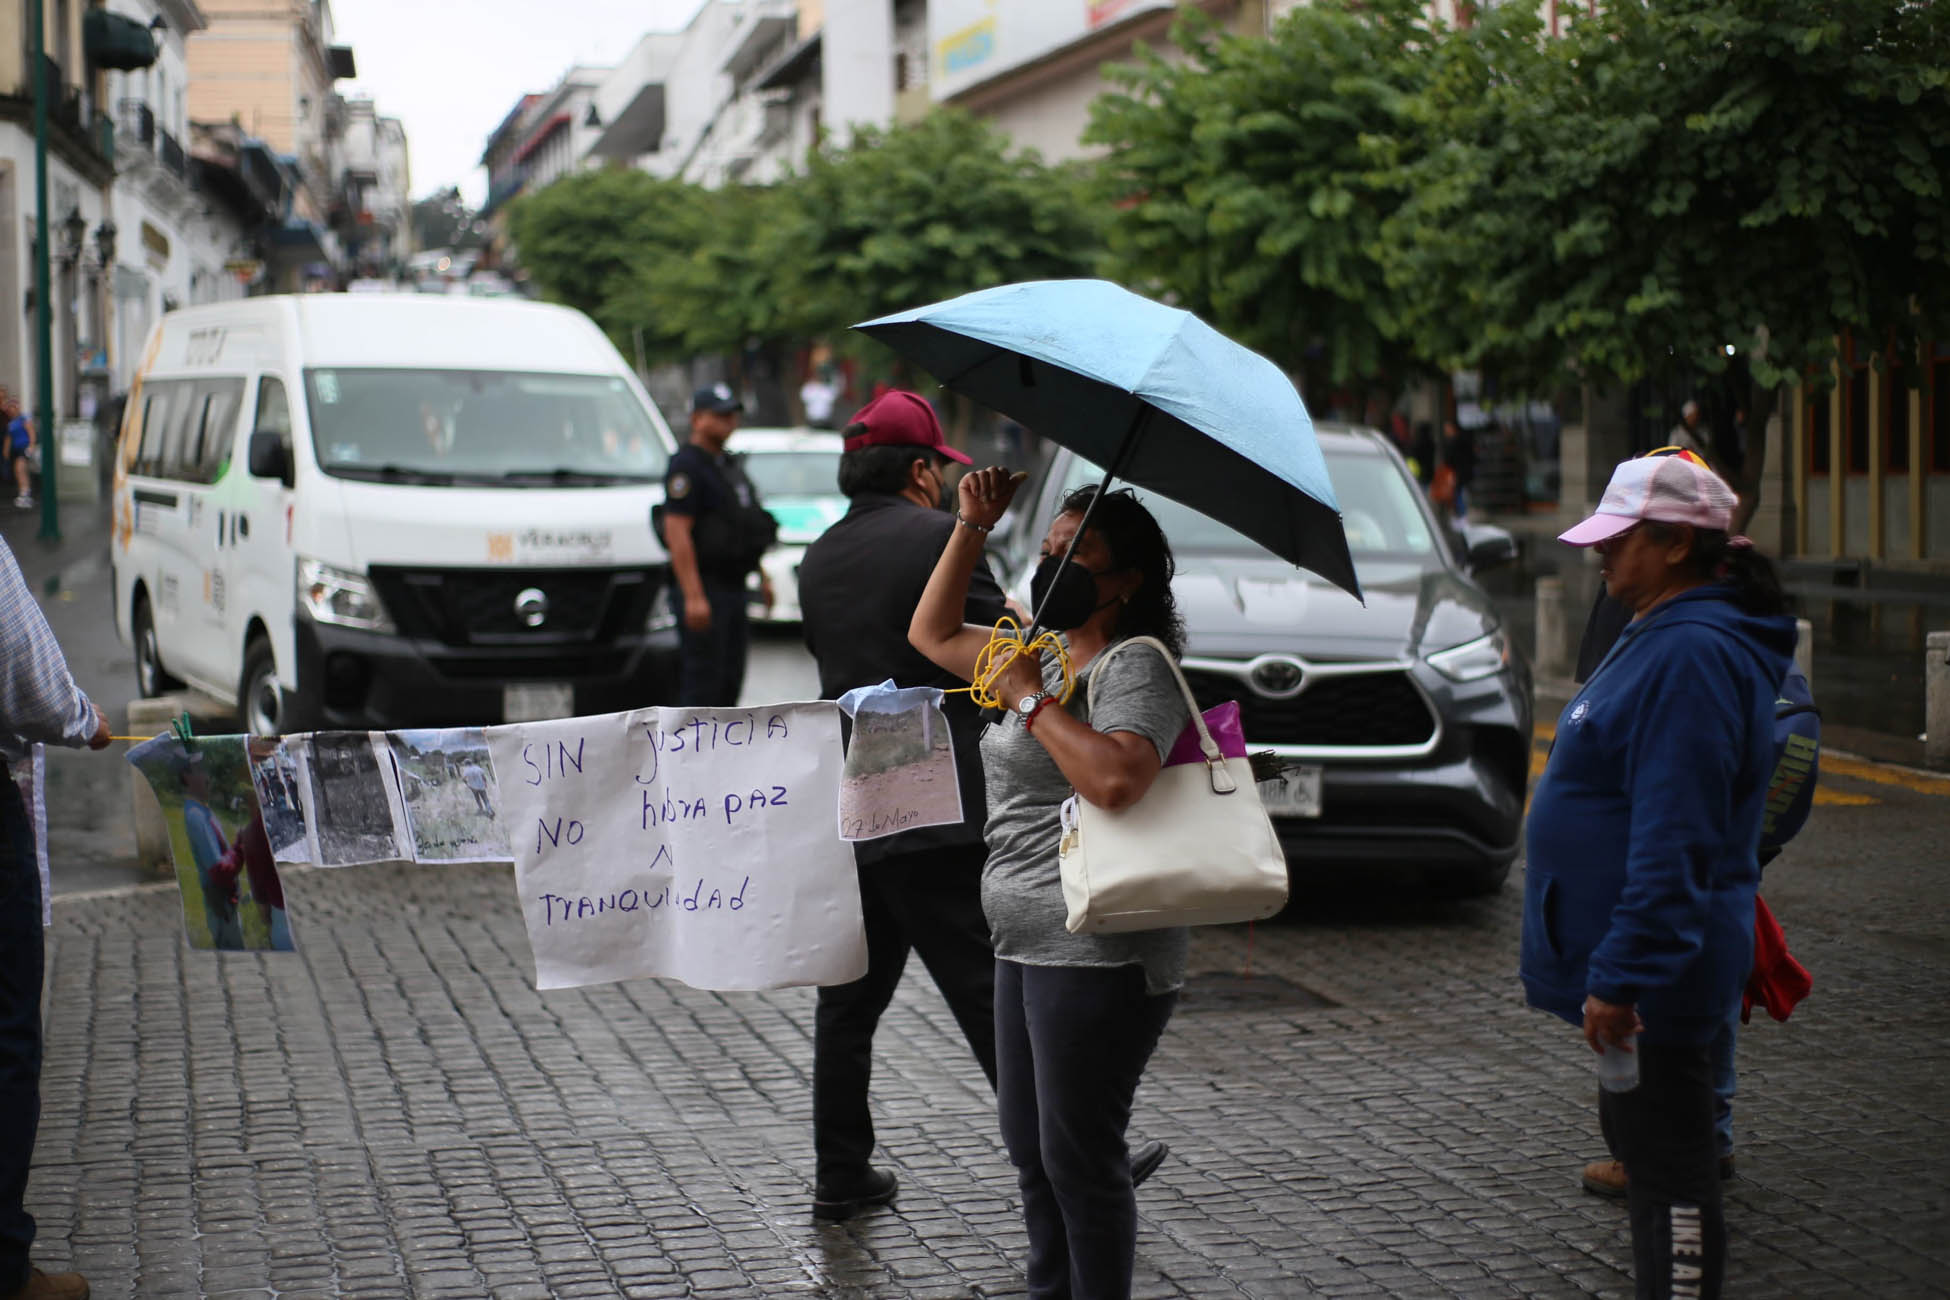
972, 525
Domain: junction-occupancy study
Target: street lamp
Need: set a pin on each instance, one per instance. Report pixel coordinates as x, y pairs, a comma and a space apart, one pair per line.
74, 229
105, 243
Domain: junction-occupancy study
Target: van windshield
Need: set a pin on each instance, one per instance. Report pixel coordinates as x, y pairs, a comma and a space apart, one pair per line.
482, 426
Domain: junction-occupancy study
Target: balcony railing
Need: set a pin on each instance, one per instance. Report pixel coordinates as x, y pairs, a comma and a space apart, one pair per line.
139, 120
169, 152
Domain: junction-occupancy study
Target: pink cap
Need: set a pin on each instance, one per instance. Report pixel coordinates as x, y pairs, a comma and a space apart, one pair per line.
1670, 489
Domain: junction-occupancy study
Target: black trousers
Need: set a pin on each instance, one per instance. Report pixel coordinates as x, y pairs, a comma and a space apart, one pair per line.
1663, 1132
21, 957
928, 902
711, 669
1072, 1043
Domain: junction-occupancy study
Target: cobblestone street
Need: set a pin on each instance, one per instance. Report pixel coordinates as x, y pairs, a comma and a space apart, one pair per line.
396, 1111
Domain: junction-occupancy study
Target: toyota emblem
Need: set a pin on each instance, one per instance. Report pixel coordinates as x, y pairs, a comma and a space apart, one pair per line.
531, 606
1278, 678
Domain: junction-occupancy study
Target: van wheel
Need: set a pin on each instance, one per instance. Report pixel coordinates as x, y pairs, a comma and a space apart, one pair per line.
259, 699
150, 678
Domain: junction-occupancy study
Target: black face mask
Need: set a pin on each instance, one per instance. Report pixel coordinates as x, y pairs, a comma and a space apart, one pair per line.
1064, 593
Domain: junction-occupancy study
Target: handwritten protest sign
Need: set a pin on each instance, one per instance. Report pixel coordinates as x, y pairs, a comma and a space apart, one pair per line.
693, 844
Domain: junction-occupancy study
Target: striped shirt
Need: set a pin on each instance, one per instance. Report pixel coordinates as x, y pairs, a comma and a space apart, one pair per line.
39, 700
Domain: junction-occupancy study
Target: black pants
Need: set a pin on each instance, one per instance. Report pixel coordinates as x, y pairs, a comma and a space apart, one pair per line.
930, 903
712, 668
1071, 1044
21, 958
1663, 1132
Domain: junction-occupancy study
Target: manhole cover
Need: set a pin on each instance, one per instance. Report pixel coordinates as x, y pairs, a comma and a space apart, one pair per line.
1231, 991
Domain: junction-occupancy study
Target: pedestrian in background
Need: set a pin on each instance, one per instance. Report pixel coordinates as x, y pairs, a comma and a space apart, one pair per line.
21, 443
920, 890
1459, 455
39, 702
1688, 434
1643, 836
716, 530
1077, 1016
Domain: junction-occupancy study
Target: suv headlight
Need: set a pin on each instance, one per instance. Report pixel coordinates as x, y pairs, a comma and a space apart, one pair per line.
1474, 659
340, 597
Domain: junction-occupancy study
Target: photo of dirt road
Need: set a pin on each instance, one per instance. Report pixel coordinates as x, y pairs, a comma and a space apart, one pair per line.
900, 774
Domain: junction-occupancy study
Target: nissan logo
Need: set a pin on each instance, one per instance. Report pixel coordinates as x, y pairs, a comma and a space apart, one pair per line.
531, 606
1278, 678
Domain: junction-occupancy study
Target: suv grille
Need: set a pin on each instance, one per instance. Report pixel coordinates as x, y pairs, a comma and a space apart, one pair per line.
476, 607
1359, 710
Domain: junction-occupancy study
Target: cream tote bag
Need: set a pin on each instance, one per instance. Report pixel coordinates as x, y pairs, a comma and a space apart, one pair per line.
1197, 849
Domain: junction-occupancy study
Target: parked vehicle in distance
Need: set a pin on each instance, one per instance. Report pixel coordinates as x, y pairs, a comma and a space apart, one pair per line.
391, 510
1406, 724
796, 472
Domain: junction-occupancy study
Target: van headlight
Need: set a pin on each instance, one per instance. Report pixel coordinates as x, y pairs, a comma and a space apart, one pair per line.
1473, 660
340, 597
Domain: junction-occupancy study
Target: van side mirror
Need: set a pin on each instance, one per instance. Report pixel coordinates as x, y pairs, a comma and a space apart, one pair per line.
270, 456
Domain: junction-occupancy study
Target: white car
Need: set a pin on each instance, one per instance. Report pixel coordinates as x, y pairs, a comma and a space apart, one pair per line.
796, 472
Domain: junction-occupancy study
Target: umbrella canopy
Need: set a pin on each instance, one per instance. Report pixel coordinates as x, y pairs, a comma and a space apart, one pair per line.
1154, 394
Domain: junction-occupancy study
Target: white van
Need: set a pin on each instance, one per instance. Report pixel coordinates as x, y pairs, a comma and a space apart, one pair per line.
392, 510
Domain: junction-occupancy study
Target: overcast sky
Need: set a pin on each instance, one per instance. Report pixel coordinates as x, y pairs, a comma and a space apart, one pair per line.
451, 71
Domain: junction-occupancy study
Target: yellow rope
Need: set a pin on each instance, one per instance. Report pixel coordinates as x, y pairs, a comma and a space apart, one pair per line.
990, 664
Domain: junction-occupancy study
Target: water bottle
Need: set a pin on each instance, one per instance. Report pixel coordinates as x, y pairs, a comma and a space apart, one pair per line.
1618, 1069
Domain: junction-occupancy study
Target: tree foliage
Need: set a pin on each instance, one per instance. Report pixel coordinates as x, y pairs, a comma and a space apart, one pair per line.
899, 218
922, 212
1674, 176
1242, 187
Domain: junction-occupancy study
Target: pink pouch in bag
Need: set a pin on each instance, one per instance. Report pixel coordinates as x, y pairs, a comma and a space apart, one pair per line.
1222, 720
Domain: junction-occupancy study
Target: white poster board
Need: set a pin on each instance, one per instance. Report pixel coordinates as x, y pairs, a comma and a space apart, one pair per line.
690, 844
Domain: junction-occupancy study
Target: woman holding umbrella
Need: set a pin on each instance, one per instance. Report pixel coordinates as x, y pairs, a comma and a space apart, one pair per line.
1077, 1016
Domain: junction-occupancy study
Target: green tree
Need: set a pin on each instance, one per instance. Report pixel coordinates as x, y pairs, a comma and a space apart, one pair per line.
584, 238
916, 213
1242, 187
1672, 178
712, 283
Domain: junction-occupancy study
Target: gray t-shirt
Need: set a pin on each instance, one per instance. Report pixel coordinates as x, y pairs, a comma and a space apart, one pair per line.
1022, 886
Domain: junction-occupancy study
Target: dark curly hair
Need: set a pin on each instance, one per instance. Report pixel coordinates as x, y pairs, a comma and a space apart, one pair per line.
1136, 542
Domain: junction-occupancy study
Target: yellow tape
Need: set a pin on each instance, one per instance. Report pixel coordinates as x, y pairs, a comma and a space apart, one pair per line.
989, 665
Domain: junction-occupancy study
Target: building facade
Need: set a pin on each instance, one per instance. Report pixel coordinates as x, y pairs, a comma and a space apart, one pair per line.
268, 67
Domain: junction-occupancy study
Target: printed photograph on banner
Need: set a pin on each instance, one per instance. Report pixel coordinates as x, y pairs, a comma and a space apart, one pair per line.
900, 766
276, 779
446, 786
233, 900
349, 799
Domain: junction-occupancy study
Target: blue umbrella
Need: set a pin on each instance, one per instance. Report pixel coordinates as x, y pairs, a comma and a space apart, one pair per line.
1155, 394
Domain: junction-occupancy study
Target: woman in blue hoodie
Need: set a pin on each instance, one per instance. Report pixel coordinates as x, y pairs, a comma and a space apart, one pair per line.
1639, 888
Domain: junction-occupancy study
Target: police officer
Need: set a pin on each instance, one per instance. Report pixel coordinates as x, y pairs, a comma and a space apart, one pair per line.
715, 529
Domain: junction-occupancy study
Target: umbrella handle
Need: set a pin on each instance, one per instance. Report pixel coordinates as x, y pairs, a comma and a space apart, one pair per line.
1117, 464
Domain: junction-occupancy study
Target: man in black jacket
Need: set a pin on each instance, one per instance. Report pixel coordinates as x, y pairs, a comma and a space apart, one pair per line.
919, 889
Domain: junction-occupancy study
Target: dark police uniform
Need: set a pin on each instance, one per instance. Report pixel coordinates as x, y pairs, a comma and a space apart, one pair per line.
920, 889
730, 531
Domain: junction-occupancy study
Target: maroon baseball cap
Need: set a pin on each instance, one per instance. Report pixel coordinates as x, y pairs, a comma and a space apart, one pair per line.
898, 418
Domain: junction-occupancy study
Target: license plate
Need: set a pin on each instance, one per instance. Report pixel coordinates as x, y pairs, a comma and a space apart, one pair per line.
1294, 793
537, 702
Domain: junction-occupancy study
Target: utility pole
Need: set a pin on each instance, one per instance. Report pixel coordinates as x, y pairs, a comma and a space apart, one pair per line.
43, 316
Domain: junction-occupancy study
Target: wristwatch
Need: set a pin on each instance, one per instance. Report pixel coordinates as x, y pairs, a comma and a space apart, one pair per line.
1027, 704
